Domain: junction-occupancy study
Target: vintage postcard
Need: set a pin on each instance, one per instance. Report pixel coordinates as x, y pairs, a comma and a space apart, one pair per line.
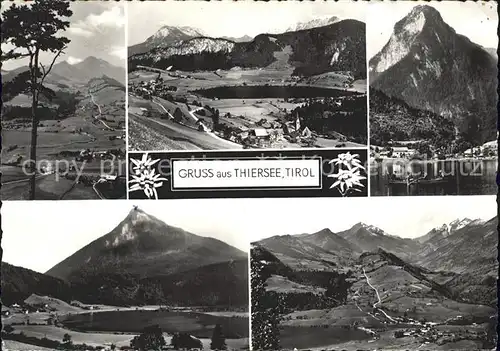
286, 175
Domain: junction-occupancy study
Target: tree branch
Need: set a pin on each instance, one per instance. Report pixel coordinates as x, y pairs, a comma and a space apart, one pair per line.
12, 55
45, 72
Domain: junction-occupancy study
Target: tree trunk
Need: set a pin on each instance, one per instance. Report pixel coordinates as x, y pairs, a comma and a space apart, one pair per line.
34, 126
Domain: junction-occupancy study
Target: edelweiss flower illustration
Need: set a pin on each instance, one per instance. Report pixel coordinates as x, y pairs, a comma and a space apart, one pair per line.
348, 160
347, 180
145, 177
349, 174
143, 164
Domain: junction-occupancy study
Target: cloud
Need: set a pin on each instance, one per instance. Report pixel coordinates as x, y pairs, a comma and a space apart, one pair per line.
73, 60
120, 52
80, 32
113, 18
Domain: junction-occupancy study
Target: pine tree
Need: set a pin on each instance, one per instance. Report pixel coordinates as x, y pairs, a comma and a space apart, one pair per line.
33, 29
218, 339
265, 314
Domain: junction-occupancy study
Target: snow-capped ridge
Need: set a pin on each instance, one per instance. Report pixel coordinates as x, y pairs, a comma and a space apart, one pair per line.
169, 30
317, 22
373, 230
194, 46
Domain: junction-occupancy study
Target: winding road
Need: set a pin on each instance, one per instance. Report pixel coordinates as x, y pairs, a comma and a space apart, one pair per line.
100, 112
378, 297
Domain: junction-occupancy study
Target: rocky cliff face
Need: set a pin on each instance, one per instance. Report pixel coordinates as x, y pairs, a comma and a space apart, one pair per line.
431, 67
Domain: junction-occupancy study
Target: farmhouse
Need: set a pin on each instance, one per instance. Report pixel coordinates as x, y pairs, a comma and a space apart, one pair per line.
260, 136
402, 152
260, 133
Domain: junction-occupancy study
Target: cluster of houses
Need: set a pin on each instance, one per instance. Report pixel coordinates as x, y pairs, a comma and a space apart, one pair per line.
398, 152
88, 155
269, 133
25, 309
489, 149
154, 87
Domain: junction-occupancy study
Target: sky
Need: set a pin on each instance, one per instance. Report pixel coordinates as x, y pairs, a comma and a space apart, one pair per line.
39, 234
232, 19
478, 21
97, 29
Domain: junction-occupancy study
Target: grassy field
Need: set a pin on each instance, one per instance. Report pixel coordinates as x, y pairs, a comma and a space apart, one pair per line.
56, 333
10, 345
281, 284
144, 137
198, 324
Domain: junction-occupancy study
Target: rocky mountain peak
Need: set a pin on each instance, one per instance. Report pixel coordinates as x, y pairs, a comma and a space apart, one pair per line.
325, 231
459, 224
407, 31
418, 18
369, 228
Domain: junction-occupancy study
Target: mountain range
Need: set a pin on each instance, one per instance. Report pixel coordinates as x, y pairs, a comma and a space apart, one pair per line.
335, 46
144, 261
63, 73
460, 255
170, 35
428, 65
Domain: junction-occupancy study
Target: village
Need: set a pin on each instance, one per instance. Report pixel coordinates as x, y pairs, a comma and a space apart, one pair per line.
421, 149
280, 127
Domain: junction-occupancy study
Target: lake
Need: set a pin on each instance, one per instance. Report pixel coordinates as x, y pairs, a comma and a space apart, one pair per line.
271, 91
463, 177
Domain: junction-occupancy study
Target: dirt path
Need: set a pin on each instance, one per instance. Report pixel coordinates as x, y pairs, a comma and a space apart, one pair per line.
100, 112
378, 297
371, 286
163, 108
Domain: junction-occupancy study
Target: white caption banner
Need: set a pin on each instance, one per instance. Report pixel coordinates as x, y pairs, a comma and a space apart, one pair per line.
246, 173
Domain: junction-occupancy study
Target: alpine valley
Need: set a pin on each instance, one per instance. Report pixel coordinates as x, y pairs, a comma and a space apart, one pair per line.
304, 87
365, 289
142, 273
433, 85
81, 120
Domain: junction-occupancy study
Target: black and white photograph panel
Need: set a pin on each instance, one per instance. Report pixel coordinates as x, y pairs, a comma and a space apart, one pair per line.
433, 97
382, 273
63, 91
143, 277
246, 75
